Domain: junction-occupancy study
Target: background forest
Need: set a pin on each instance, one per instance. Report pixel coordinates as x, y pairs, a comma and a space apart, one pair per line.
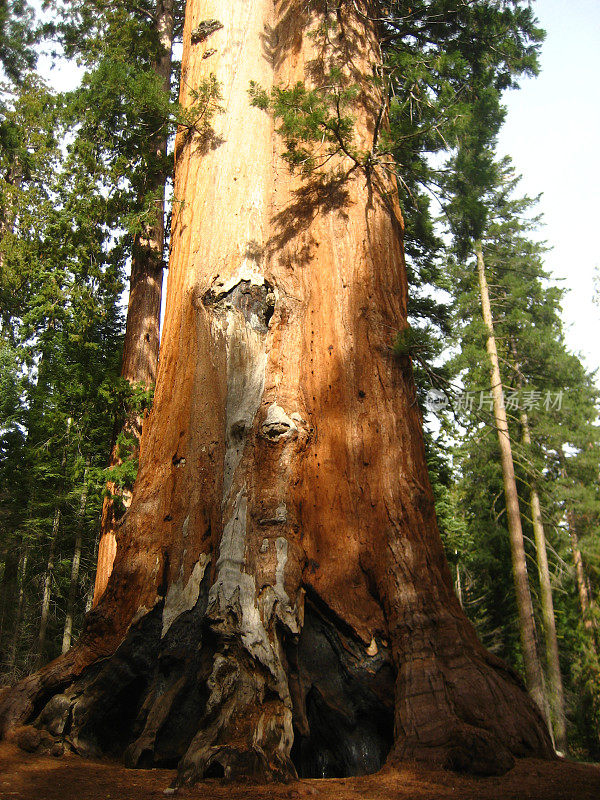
83, 181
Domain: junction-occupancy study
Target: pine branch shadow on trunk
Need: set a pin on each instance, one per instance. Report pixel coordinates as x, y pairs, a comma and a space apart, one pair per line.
167, 699
280, 602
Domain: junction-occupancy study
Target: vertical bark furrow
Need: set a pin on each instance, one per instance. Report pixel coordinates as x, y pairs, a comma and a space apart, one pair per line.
283, 460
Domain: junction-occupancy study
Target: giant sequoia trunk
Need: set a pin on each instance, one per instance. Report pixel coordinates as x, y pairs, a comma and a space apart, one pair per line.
280, 600
140, 349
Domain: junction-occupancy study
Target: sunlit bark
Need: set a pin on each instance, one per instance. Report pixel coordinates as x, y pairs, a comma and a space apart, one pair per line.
282, 529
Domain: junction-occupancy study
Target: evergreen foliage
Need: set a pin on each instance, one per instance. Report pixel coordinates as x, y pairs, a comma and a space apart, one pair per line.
542, 378
77, 185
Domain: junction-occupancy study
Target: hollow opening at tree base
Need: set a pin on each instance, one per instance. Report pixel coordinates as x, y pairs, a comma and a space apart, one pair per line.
152, 704
344, 715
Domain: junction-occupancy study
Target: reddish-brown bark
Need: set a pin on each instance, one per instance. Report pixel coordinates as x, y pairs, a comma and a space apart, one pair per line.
140, 349
280, 575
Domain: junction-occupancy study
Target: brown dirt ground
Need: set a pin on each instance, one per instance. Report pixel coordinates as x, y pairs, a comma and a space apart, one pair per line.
42, 777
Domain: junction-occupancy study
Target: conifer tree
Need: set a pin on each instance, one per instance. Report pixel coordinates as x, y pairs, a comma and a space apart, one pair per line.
471, 181
283, 460
126, 93
540, 373
60, 330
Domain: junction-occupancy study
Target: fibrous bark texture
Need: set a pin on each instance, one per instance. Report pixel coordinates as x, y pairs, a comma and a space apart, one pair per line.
140, 349
280, 601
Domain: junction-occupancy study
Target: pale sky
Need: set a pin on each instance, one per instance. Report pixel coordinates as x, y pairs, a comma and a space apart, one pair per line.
552, 134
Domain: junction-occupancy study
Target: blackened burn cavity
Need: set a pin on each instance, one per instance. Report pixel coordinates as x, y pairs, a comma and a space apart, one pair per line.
164, 583
343, 700
256, 302
144, 702
147, 701
215, 770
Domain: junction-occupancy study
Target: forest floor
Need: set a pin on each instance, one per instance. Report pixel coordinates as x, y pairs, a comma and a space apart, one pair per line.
43, 777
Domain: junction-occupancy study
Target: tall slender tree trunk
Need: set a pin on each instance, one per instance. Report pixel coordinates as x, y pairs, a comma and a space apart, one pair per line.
140, 353
280, 601
533, 669
75, 564
555, 684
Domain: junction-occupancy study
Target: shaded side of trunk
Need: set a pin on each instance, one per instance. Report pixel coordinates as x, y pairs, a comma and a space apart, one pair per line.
533, 669
140, 352
280, 601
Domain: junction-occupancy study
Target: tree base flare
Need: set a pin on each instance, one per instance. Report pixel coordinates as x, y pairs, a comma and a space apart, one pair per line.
284, 448
197, 700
